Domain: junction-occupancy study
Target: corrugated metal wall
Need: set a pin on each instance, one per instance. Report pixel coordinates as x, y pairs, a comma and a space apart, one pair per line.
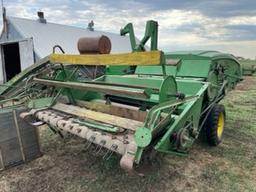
18, 140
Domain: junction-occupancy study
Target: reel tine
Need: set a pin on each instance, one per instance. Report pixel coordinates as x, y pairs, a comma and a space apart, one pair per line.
110, 155
90, 140
102, 143
114, 148
88, 144
106, 154
97, 152
96, 148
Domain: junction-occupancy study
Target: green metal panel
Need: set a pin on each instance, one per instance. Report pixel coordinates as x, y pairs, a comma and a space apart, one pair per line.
194, 68
134, 80
191, 112
117, 70
202, 54
188, 68
40, 103
160, 88
156, 70
188, 86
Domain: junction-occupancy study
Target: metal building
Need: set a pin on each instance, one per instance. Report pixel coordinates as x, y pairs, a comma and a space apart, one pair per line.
23, 41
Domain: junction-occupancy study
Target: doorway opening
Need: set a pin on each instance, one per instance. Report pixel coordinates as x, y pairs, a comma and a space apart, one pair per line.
12, 64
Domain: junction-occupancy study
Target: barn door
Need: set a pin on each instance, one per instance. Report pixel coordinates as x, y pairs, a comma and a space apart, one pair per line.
26, 49
15, 56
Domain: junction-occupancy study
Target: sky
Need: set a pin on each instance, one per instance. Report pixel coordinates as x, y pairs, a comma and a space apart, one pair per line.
223, 25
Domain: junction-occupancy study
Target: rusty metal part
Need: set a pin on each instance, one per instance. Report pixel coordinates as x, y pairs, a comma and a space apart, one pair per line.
100, 45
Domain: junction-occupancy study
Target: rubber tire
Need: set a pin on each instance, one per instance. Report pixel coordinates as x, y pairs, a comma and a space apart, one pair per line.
211, 125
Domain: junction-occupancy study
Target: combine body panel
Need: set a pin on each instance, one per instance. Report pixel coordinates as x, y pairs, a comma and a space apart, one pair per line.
162, 103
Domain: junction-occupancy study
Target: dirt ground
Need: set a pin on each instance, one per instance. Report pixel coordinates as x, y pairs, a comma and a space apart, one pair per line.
67, 166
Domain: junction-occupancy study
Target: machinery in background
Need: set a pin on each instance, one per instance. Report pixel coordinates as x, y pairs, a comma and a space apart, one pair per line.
248, 66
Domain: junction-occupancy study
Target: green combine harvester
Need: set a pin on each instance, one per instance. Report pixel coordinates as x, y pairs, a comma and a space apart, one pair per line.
146, 100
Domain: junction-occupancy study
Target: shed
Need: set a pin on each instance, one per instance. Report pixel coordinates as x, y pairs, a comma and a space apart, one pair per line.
24, 41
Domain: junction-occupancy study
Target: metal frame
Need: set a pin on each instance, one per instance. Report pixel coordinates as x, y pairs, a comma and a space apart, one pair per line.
174, 108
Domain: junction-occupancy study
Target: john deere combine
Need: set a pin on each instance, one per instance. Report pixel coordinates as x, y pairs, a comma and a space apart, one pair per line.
146, 100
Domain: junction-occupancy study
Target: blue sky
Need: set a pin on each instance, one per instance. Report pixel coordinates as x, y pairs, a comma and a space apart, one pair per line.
225, 25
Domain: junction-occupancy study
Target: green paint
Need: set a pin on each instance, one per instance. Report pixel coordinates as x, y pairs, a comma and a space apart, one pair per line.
40, 103
172, 123
143, 137
94, 125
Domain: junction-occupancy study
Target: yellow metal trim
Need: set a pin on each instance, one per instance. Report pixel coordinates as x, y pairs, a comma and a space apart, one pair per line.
220, 128
136, 58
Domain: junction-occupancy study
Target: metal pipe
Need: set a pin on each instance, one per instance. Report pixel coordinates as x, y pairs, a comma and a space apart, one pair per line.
107, 89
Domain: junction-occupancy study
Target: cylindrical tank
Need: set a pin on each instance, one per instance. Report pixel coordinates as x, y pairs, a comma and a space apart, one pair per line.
100, 45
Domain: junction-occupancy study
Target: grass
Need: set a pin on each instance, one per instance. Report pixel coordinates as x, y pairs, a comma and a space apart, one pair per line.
228, 180
237, 155
231, 166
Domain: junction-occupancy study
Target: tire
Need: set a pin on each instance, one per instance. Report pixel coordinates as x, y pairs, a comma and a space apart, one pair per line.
215, 124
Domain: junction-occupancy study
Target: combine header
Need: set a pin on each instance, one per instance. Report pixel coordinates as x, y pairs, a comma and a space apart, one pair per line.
146, 100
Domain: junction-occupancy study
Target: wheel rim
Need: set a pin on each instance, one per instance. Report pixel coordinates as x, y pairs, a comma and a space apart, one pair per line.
220, 127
